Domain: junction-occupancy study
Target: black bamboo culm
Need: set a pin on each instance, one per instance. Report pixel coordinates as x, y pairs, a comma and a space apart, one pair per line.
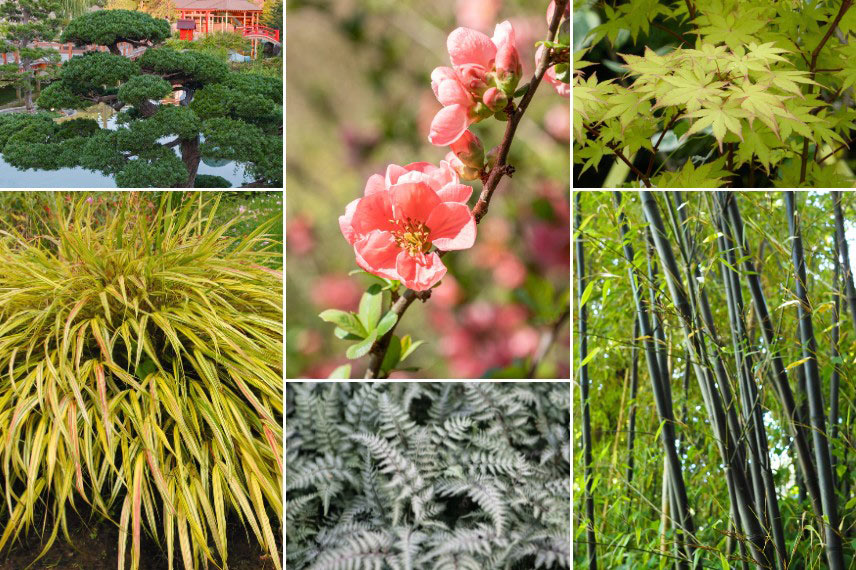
835, 376
817, 414
667, 429
780, 377
844, 252
749, 392
584, 389
634, 388
695, 316
659, 330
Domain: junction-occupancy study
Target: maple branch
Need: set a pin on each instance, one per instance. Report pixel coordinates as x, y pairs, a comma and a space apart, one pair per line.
617, 150
673, 33
690, 9
500, 169
657, 145
845, 5
842, 146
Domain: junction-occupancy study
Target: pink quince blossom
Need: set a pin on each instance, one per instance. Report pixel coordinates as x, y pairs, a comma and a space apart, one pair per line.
479, 63
401, 215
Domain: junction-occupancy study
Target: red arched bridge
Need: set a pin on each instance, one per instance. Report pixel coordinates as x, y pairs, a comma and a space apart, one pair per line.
263, 33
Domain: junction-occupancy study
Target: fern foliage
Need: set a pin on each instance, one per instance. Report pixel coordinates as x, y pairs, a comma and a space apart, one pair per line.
427, 476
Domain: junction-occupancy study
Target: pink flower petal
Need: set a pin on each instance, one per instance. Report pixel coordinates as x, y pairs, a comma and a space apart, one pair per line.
377, 253
454, 192
452, 226
424, 167
413, 200
439, 75
417, 275
503, 33
373, 212
452, 92
345, 222
469, 46
448, 125
393, 173
374, 184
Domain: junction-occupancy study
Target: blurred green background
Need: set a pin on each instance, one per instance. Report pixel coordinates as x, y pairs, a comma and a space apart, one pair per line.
359, 98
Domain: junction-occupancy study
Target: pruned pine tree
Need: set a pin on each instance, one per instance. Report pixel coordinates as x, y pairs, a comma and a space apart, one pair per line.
400, 476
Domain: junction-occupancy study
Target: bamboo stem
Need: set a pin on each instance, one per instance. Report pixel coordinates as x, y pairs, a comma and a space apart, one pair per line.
584, 388
815, 398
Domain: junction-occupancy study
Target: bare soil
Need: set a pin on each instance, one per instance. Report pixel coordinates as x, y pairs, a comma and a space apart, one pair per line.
94, 546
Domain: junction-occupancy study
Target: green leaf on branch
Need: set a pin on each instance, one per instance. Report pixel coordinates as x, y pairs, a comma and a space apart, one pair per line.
408, 346
386, 323
361, 348
393, 355
345, 335
370, 307
342, 372
344, 320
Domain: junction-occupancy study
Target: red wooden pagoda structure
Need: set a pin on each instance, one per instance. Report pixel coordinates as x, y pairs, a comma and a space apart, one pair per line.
200, 17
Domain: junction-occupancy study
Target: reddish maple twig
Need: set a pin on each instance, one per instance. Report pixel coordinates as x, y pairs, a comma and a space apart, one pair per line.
377, 352
845, 5
842, 146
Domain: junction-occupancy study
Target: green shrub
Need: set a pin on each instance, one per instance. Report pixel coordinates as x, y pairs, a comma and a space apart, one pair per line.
142, 377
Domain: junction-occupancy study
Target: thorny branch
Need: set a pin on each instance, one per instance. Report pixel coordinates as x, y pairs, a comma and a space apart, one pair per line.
500, 169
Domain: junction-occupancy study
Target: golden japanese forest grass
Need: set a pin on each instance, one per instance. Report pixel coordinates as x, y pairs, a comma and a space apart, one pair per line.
141, 379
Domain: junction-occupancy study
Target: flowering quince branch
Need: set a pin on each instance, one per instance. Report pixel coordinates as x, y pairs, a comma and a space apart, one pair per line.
413, 215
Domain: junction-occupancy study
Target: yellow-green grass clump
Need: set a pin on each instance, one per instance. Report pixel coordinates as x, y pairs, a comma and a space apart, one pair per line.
141, 378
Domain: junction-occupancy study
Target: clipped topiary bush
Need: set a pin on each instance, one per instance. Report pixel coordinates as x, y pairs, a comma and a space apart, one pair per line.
141, 355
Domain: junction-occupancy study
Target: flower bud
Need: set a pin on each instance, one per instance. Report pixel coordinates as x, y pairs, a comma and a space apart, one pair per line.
469, 150
463, 171
479, 112
508, 68
495, 99
474, 78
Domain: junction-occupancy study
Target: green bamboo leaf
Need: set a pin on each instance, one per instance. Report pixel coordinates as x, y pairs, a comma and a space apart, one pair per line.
587, 293
588, 358
797, 363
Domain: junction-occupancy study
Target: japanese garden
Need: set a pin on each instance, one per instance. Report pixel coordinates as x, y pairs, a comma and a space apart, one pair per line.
170, 94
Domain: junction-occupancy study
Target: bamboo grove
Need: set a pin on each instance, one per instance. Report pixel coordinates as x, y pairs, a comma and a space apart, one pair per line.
715, 340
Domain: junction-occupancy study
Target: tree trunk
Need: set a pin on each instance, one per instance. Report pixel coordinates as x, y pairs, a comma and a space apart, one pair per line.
190, 156
584, 390
815, 398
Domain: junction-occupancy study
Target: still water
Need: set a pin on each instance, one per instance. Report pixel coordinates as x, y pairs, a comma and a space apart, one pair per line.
11, 177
